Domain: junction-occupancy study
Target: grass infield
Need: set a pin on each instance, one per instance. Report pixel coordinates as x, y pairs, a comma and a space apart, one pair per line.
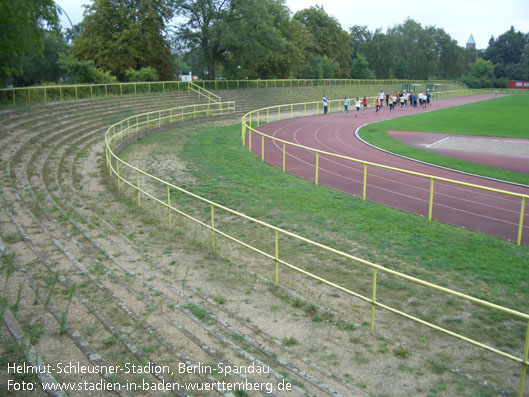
223, 171
504, 117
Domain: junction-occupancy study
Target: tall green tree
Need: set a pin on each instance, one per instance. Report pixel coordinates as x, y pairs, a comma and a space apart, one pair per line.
378, 49
360, 68
126, 34
414, 46
205, 29
448, 55
329, 39
264, 40
505, 53
43, 67
525, 62
22, 27
254, 38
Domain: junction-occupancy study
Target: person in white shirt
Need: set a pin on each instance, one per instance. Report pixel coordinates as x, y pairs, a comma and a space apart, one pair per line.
357, 106
325, 104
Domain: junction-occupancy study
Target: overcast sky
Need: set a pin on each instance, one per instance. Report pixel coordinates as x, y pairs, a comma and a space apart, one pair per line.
459, 18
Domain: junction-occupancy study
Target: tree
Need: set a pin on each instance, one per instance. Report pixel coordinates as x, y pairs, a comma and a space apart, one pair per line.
414, 45
378, 48
126, 34
358, 35
144, 74
205, 29
449, 56
84, 72
360, 68
22, 25
43, 67
329, 39
506, 53
254, 39
525, 62
482, 69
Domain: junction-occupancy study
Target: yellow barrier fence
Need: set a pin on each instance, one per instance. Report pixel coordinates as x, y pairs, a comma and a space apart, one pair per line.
127, 128
37, 94
279, 112
211, 97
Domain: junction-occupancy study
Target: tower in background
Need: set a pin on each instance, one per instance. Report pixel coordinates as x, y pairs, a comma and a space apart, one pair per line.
470, 42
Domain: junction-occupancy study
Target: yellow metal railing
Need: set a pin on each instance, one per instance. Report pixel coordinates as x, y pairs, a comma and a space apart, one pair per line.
37, 94
127, 128
61, 92
279, 112
211, 97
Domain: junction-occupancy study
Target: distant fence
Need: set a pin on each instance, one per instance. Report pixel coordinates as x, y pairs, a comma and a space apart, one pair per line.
39, 94
160, 193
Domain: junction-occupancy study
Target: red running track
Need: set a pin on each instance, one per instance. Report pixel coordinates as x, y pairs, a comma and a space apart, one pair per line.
478, 210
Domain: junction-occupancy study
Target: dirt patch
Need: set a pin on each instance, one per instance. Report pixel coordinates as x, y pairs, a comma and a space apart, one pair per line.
505, 153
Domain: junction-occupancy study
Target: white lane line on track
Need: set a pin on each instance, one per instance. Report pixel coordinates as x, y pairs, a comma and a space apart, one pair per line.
439, 141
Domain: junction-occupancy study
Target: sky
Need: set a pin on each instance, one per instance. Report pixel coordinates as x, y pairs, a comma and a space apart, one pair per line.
459, 18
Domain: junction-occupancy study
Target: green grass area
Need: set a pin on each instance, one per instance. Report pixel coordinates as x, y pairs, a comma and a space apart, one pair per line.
505, 117
223, 171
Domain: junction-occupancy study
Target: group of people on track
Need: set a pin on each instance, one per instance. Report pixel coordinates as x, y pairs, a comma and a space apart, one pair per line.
402, 99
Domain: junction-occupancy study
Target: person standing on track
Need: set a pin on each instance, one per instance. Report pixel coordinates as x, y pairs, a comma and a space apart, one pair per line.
325, 104
364, 101
346, 105
357, 106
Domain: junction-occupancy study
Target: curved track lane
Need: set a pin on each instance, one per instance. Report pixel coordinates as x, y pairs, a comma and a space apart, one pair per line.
474, 209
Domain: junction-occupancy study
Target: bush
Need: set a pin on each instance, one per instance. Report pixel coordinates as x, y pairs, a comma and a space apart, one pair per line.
84, 72
144, 74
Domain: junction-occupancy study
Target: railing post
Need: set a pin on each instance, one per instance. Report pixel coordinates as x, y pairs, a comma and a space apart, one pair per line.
520, 226
364, 190
524, 363
262, 148
138, 186
258, 118
276, 277
317, 166
430, 206
373, 300
169, 205
243, 131
279, 113
117, 170
213, 248
284, 164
